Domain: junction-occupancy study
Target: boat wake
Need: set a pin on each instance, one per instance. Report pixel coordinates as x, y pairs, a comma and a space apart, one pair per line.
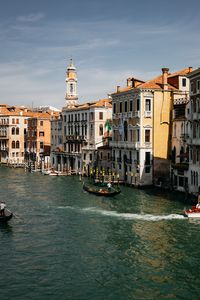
126, 216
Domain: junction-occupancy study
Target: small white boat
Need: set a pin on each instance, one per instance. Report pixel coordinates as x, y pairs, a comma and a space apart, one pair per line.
46, 172
192, 212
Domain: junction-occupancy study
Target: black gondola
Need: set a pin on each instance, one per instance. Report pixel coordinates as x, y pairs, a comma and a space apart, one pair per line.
101, 191
5, 218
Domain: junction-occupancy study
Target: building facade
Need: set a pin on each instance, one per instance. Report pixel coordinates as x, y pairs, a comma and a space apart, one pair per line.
82, 129
193, 132
13, 129
142, 116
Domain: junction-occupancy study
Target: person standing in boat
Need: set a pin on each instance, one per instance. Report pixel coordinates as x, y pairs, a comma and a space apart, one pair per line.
198, 203
2, 208
109, 185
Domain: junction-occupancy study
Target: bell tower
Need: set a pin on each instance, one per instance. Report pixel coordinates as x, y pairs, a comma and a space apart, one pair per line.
71, 81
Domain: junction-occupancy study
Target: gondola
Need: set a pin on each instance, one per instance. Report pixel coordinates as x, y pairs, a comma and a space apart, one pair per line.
101, 191
5, 218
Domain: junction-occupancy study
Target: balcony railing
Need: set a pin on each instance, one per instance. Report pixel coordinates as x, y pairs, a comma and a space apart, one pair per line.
3, 148
130, 114
181, 166
137, 114
3, 136
147, 114
125, 145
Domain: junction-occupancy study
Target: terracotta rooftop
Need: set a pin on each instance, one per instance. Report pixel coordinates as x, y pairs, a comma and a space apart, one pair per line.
93, 104
157, 82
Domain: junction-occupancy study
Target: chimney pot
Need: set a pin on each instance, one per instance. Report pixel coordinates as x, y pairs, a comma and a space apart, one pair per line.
190, 69
165, 72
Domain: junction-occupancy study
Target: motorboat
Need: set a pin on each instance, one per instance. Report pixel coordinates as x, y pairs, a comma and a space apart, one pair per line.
193, 212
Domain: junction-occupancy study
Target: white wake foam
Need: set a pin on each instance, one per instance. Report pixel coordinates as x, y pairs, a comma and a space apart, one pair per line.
127, 216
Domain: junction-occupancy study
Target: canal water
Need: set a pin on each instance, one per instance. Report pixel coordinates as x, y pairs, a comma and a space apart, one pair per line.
67, 244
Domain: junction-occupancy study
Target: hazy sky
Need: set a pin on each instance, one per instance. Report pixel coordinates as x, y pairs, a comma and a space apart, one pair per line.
109, 40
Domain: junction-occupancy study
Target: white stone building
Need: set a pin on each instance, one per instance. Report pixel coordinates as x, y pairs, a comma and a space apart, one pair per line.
193, 132
82, 129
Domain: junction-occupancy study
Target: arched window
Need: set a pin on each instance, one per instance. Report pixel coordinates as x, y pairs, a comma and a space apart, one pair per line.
17, 144
17, 130
13, 130
100, 129
174, 130
13, 144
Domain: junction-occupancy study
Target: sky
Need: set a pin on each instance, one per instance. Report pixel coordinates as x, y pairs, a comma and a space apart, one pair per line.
108, 40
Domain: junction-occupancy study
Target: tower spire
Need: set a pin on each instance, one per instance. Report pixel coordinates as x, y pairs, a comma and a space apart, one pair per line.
71, 81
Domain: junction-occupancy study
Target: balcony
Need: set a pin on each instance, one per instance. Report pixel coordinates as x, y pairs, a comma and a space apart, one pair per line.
147, 145
125, 144
137, 114
125, 114
130, 114
3, 149
4, 136
180, 166
147, 114
75, 138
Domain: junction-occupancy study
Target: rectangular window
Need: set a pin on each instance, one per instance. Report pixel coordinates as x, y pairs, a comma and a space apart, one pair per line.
192, 87
138, 105
147, 158
100, 115
120, 107
125, 106
147, 136
13, 121
137, 135
147, 162
41, 133
41, 123
100, 129
90, 157
147, 104
91, 116
131, 105
198, 86
184, 82
114, 108
17, 121
41, 145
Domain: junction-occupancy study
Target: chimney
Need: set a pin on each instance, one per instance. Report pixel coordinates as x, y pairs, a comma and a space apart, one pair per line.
164, 78
190, 69
118, 89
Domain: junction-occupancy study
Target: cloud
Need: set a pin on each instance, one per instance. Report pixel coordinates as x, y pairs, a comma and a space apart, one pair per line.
31, 17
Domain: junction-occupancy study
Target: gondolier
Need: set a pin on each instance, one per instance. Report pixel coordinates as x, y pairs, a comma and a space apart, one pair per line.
2, 208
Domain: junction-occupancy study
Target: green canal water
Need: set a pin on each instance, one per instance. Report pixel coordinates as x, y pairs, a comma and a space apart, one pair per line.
68, 244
